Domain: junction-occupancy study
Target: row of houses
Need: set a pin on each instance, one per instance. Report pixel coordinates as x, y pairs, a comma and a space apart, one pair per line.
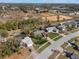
57, 28
62, 27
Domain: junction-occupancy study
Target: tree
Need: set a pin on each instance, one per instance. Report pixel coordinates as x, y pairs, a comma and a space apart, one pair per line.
3, 33
10, 47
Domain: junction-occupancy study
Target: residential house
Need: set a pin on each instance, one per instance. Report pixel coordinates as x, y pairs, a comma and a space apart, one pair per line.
52, 29
27, 41
71, 55
61, 27
38, 32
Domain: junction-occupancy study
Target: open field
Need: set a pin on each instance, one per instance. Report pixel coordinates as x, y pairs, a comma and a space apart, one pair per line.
53, 17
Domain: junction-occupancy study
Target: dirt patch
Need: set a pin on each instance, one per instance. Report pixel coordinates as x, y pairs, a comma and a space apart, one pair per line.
53, 17
53, 55
62, 57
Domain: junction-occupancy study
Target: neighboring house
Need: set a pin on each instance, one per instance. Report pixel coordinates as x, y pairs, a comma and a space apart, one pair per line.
72, 13
38, 32
27, 41
61, 27
71, 55
77, 13
52, 29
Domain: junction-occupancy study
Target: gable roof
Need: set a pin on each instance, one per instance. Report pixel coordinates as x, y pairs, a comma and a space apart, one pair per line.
28, 41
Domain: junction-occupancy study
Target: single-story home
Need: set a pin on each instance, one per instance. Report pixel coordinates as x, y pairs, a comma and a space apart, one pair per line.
27, 41
38, 32
52, 29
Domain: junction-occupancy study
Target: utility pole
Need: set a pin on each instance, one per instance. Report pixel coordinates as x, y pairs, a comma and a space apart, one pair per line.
58, 17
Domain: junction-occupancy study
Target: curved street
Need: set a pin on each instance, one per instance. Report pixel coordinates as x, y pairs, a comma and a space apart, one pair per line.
47, 52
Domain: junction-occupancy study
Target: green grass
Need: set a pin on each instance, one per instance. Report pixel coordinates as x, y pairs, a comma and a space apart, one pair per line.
38, 42
70, 49
75, 40
72, 40
42, 48
52, 35
64, 45
57, 38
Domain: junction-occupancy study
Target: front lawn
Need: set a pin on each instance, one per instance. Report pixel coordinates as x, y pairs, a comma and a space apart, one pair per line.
43, 47
64, 45
57, 38
54, 36
38, 42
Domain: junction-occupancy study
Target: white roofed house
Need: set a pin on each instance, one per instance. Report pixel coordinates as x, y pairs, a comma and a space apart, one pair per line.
52, 29
27, 42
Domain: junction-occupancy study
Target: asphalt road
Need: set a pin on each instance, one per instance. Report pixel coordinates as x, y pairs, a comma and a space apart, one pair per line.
47, 52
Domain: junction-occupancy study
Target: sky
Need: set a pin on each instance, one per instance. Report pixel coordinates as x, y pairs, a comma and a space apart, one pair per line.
39, 1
